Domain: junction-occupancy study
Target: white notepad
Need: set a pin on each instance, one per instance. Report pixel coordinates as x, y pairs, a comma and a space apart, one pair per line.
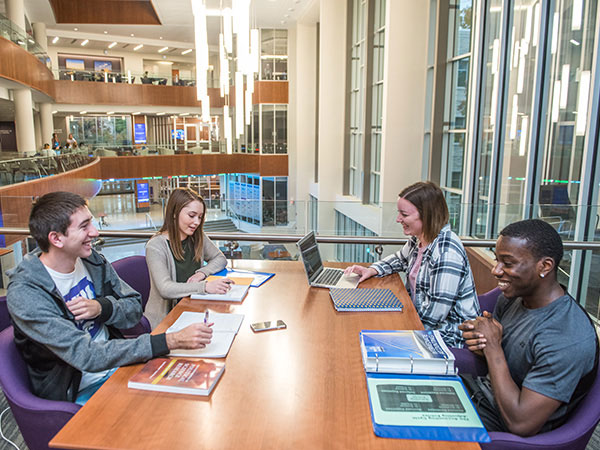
225, 328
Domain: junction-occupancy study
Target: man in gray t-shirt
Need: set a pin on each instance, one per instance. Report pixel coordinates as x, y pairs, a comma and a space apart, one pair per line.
548, 350
539, 345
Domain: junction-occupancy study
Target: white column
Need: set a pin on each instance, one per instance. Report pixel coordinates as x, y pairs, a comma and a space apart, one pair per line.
15, 12
39, 34
37, 128
24, 121
47, 122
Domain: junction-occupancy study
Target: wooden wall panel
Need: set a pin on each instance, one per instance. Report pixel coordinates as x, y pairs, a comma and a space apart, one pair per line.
16, 199
134, 12
270, 92
481, 266
100, 93
170, 165
17, 64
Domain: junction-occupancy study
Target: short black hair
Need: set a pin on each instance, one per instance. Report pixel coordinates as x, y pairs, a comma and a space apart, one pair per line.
542, 239
52, 212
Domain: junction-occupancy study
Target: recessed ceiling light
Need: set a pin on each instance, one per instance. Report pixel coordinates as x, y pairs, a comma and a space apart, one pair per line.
137, 47
136, 113
160, 37
85, 42
83, 112
290, 9
185, 52
132, 34
282, 22
110, 112
105, 32
55, 40
160, 114
184, 114
54, 112
286, 16
76, 29
112, 45
163, 49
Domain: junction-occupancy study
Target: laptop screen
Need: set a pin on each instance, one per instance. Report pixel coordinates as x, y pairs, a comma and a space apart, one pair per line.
310, 255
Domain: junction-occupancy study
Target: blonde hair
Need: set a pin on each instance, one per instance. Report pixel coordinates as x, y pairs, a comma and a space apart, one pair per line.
180, 198
429, 200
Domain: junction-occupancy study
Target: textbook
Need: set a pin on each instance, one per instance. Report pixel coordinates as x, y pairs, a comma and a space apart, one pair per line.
427, 407
225, 327
406, 351
350, 299
181, 376
258, 278
235, 294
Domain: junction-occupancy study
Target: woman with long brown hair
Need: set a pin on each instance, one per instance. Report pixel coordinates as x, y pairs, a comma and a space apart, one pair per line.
176, 256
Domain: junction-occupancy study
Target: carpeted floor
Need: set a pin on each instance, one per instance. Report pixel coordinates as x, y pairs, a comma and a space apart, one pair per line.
11, 431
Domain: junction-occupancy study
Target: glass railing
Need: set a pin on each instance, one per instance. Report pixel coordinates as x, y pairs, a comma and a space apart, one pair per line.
10, 31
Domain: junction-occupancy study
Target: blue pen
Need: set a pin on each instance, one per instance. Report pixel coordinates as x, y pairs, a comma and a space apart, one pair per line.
206, 316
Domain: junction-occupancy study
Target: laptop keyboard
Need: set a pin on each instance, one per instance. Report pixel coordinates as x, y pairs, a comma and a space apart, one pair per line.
329, 277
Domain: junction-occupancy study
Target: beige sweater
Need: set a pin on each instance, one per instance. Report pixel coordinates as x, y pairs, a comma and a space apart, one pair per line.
163, 287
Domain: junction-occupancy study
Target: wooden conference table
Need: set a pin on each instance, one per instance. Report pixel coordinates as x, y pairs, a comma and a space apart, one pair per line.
303, 387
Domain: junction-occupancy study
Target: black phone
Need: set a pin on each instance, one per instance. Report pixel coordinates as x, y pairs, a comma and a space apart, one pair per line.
268, 325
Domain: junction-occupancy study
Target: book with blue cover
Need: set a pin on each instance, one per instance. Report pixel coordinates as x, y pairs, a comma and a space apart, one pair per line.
427, 407
406, 351
350, 299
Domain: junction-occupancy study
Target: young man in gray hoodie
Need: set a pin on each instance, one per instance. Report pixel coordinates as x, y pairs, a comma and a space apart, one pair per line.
67, 305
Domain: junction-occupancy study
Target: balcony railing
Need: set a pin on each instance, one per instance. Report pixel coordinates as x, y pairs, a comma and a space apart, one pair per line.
12, 32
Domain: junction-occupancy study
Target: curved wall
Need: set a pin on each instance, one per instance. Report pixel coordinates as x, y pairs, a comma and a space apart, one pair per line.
17, 64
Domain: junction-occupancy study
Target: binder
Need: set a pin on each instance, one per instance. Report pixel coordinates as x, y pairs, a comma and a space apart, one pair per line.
348, 299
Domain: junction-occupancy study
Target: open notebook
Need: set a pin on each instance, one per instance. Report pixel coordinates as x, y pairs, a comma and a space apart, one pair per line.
225, 328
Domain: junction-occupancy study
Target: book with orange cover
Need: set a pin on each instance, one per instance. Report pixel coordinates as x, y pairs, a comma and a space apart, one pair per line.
177, 375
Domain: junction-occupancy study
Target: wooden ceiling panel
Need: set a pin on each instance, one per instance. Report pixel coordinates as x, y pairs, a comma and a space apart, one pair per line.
122, 12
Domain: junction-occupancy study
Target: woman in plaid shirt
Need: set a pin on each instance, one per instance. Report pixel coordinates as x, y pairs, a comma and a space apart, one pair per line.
439, 278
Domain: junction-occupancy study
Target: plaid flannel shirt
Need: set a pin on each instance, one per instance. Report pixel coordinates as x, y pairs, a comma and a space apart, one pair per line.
444, 290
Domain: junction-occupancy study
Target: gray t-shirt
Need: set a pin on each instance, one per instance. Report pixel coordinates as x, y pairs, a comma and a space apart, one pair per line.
549, 349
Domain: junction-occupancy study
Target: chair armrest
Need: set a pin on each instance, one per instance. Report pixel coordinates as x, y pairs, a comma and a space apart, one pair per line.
469, 362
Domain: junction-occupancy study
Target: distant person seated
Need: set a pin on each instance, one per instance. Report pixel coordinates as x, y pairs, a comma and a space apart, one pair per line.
439, 278
176, 256
67, 305
145, 79
71, 142
47, 151
539, 344
55, 142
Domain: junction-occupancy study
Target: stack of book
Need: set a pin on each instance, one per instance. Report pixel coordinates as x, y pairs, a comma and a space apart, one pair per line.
414, 392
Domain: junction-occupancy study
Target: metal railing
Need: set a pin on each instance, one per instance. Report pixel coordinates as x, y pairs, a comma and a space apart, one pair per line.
10, 31
293, 238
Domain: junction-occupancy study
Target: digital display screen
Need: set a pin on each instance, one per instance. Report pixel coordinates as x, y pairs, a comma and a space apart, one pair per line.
140, 133
143, 194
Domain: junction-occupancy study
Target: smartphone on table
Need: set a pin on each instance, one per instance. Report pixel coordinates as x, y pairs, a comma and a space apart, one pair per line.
268, 325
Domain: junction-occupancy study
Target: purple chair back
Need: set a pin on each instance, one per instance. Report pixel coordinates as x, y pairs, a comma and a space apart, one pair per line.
4, 317
134, 271
38, 419
487, 301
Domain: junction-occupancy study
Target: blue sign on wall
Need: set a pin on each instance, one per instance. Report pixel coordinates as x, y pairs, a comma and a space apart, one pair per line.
139, 133
178, 134
143, 195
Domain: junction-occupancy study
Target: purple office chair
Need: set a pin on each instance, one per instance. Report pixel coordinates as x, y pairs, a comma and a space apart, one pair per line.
574, 434
4, 317
134, 271
38, 419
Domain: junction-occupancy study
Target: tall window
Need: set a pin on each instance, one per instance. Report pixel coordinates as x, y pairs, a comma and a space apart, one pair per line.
377, 99
457, 103
357, 71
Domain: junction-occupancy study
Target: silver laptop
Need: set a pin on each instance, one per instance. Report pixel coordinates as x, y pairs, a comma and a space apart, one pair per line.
319, 276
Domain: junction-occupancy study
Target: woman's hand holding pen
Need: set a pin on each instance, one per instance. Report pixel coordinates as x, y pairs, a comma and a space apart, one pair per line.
220, 286
364, 272
193, 336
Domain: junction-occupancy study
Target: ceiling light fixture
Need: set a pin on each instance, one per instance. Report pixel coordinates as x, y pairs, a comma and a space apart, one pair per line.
84, 43
163, 49
137, 47
55, 40
105, 32
75, 29
110, 113
136, 113
83, 112
185, 52
112, 45
160, 114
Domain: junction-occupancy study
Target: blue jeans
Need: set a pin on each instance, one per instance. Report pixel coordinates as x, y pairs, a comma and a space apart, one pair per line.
85, 394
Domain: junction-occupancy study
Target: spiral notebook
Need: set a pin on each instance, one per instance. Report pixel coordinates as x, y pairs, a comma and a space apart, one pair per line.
349, 299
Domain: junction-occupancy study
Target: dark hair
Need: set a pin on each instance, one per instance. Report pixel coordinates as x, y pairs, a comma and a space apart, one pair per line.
542, 239
177, 201
429, 200
52, 212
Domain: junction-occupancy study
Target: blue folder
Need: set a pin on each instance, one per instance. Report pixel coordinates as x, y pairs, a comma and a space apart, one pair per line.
259, 277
